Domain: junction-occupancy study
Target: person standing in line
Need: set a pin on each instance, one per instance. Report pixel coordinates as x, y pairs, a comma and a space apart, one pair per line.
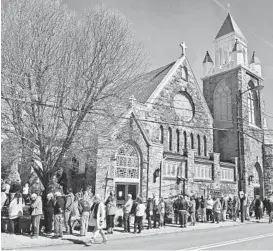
270, 208
49, 212
183, 208
176, 211
224, 205
236, 207
58, 215
37, 211
161, 210
15, 212
126, 213
203, 209
217, 210
258, 208
110, 214
84, 209
75, 214
140, 211
69, 200
155, 211
197, 205
246, 207
209, 207
149, 212
97, 217
192, 210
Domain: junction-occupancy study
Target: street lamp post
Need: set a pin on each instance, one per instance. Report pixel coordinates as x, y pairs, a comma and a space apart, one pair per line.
242, 183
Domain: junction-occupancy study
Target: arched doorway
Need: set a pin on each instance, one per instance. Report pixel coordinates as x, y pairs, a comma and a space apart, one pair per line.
127, 172
258, 180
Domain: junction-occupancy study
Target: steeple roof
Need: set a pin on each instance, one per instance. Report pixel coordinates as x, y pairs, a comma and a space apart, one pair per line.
207, 58
229, 26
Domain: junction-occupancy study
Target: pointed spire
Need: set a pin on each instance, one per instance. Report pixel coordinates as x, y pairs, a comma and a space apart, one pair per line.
229, 26
207, 58
254, 59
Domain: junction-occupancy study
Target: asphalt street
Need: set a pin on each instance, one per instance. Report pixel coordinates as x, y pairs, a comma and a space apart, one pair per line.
243, 237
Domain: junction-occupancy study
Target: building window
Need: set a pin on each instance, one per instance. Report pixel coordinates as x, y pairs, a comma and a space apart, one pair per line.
253, 106
174, 169
199, 145
183, 106
192, 141
170, 138
222, 102
161, 134
205, 146
251, 114
185, 140
127, 163
177, 140
185, 73
227, 174
203, 172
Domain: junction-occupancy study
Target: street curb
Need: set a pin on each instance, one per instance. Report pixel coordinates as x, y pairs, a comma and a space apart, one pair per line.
178, 230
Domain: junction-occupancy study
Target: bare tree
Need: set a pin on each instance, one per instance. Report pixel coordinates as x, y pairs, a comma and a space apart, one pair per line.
58, 70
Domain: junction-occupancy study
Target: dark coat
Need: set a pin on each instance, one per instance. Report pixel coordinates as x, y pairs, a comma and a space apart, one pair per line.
182, 204
59, 205
49, 206
149, 208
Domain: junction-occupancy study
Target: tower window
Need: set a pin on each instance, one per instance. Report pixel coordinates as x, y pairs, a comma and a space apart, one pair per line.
185, 140
222, 102
192, 141
199, 145
251, 114
170, 138
205, 146
185, 73
177, 141
161, 134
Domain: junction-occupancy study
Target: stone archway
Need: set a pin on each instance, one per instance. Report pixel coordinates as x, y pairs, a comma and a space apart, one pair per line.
260, 180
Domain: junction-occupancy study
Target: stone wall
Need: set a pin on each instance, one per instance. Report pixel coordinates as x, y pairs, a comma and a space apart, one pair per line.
268, 169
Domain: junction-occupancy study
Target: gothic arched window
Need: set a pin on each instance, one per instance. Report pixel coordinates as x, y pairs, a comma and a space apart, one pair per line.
127, 163
192, 141
198, 145
250, 104
177, 140
161, 134
222, 102
185, 140
170, 138
205, 146
253, 106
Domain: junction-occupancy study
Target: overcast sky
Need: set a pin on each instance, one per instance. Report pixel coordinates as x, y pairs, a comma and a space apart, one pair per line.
163, 24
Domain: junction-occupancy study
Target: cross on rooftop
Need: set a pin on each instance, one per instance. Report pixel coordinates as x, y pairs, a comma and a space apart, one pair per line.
184, 47
228, 6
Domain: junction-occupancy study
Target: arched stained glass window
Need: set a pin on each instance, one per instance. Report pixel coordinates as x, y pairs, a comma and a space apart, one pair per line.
185, 140
222, 102
127, 163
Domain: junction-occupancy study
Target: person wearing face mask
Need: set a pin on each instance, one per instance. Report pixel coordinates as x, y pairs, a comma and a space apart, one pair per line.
37, 211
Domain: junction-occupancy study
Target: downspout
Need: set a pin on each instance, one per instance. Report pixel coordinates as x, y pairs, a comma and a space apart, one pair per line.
148, 169
160, 181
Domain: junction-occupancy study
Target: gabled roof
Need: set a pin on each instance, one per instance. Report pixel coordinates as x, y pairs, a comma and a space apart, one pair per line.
229, 26
143, 88
207, 58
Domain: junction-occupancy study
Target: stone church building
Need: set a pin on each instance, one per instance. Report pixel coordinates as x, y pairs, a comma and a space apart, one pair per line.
175, 138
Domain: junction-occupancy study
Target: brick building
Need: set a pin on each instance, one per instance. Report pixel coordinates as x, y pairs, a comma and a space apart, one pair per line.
173, 132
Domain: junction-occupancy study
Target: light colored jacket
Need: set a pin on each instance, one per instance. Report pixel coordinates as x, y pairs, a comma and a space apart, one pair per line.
37, 207
161, 208
111, 208
15, 209
140, 210
128, 206
209, 204
97, 223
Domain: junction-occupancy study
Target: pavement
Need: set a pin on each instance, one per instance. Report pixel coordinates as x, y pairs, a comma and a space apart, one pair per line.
10, 242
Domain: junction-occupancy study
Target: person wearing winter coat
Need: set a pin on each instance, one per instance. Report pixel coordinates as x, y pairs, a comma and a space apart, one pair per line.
69, 199
149, 212
203, 209
236, 207
217, 210
155, 211
36, 214
15, 211
224, 205
75, 213
139, 214
162, 211
258, 207
209, 207
58, 215
110, 214
127, 207
84, 208
97, 218
49, 212
192, 210
270, 208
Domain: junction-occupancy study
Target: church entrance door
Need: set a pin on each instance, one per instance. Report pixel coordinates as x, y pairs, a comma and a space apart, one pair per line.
123, 189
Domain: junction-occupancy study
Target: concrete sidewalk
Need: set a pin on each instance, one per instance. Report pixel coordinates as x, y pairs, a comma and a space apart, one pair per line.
24, 241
